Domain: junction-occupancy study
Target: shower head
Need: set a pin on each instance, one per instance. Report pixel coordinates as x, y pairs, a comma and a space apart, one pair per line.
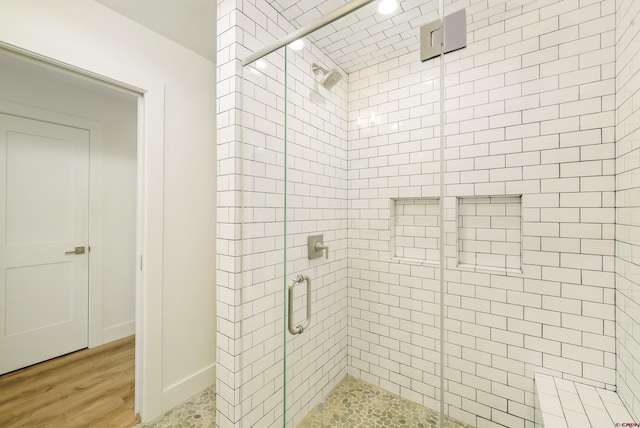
329, 78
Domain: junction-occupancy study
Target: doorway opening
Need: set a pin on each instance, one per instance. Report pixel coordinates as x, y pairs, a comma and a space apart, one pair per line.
103, 258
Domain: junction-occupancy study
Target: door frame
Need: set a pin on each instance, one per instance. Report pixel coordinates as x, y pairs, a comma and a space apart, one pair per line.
149, 223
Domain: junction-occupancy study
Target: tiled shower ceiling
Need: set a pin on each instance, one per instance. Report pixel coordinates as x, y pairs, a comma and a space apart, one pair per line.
366, 37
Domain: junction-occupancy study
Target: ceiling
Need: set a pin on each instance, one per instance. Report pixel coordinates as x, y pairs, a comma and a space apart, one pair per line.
364, 37
191, 23
358, 40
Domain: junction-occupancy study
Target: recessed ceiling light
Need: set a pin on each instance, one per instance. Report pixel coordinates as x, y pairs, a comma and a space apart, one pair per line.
387, 7
297, 45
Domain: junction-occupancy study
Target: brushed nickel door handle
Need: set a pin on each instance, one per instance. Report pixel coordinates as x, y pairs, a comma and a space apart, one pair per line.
77, 250
301, 327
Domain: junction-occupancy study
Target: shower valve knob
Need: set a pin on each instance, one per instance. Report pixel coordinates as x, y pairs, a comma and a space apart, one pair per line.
316, 247
319, 246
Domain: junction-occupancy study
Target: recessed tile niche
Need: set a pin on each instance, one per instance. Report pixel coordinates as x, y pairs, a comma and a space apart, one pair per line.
490, 233
415, 231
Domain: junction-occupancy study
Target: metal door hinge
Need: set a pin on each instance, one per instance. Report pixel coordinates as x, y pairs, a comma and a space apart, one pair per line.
455, 35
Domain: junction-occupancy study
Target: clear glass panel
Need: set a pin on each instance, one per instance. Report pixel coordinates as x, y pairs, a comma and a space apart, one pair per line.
529, 133
341, 139
316, 206
362, 170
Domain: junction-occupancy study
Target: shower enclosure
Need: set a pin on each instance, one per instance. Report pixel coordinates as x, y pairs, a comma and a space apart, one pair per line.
298, 132
466, 203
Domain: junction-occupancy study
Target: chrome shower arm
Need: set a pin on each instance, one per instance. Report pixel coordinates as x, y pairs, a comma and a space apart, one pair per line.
317, 69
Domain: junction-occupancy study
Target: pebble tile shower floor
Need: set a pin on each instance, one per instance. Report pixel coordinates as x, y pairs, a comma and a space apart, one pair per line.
351, 404
357, 404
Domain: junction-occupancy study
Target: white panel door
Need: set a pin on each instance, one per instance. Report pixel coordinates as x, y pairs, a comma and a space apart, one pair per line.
44, 214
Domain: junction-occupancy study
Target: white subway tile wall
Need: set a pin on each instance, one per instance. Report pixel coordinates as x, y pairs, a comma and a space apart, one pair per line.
250, 246
628, 204
228, 255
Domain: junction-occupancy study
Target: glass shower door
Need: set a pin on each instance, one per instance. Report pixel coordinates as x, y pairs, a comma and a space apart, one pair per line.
340, 160
316, 228
362, 165
530, 126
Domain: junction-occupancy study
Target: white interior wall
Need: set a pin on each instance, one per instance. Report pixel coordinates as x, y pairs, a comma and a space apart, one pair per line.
35, 86
119, 227
179, 311
628, 203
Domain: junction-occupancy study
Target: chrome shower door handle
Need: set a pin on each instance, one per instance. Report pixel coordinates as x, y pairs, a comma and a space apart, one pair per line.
295, 281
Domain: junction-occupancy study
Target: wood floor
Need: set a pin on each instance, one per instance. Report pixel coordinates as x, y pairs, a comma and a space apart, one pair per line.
88, 388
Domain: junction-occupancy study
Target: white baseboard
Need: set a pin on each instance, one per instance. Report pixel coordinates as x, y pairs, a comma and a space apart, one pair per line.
118, 331
185, 389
